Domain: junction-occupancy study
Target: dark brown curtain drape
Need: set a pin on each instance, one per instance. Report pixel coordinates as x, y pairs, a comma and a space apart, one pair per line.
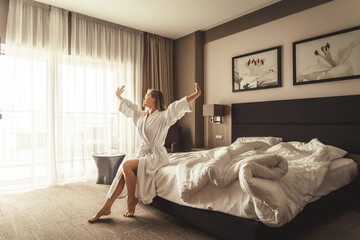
159, 65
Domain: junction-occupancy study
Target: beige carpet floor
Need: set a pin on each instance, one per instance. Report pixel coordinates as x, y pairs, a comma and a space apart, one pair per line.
61, 212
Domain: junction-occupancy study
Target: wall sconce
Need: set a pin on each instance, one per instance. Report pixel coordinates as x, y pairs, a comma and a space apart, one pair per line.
215, 111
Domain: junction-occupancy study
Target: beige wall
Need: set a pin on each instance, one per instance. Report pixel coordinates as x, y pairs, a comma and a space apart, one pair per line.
4, 8
326, 18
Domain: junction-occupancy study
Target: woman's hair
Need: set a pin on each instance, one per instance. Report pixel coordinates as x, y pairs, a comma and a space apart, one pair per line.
159, 99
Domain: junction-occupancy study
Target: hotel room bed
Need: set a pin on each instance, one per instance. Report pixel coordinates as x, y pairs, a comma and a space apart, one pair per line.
231, 199
333, 120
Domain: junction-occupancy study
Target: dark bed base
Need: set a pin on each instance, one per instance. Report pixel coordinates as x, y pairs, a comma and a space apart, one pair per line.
333, 120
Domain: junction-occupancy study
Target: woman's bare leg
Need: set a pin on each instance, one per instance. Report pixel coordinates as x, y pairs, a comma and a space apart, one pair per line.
106, 208
130, 167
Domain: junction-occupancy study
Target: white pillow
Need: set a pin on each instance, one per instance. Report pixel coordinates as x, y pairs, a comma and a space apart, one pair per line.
335, 152
271, 141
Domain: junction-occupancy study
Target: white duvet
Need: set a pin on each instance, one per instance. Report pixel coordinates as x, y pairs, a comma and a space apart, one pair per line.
280, 178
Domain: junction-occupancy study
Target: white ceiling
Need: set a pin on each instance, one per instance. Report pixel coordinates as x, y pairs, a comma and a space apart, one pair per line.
168, 18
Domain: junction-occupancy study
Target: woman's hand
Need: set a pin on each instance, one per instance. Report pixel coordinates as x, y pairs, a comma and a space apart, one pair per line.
197, 89
119, 91
195, 95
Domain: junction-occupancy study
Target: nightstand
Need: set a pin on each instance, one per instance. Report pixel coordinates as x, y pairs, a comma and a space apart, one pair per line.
199, 149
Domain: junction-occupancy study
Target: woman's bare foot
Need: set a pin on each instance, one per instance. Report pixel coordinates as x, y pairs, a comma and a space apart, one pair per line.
131, 208
101, 212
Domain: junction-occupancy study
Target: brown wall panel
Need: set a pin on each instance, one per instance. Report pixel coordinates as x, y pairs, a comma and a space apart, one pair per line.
189, 62
264, 15
223, 129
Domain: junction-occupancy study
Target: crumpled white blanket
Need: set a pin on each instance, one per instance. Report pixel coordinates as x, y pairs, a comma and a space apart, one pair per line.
281, 179
265, 166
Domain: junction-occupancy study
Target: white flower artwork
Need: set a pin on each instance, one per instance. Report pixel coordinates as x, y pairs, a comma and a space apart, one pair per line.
257, 70
331, 57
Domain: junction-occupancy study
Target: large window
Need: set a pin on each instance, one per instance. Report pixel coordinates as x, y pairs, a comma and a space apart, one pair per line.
81, 119
23, 148
89, 120
57, 85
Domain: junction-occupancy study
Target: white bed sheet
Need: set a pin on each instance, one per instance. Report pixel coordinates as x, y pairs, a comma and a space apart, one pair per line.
232, 200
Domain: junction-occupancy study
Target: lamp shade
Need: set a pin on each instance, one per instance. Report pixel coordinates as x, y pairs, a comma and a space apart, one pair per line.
213, 110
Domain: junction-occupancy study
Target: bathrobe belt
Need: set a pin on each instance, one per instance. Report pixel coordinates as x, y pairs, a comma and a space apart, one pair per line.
149, 147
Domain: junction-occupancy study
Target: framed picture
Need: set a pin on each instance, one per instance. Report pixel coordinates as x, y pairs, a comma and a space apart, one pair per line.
331, 57
257, 70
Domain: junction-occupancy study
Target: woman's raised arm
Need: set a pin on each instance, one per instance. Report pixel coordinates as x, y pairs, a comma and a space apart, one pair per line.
119, 91
177, 109
128, 108
195, 95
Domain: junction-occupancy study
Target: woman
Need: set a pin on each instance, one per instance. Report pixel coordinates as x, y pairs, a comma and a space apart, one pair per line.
136, 177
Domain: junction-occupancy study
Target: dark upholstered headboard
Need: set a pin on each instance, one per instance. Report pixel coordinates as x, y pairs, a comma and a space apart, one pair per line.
333, 120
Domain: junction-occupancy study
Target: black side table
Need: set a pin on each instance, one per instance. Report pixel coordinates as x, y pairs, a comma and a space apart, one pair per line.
107, 164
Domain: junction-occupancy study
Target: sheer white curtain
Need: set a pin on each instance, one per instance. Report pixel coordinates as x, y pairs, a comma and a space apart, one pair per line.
28, 74
103, 57
58, 108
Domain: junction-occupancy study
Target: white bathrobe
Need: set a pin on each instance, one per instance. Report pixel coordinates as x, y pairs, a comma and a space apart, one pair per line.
152, 154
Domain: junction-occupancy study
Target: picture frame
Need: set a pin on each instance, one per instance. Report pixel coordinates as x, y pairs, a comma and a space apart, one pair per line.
257, 70
331, 57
